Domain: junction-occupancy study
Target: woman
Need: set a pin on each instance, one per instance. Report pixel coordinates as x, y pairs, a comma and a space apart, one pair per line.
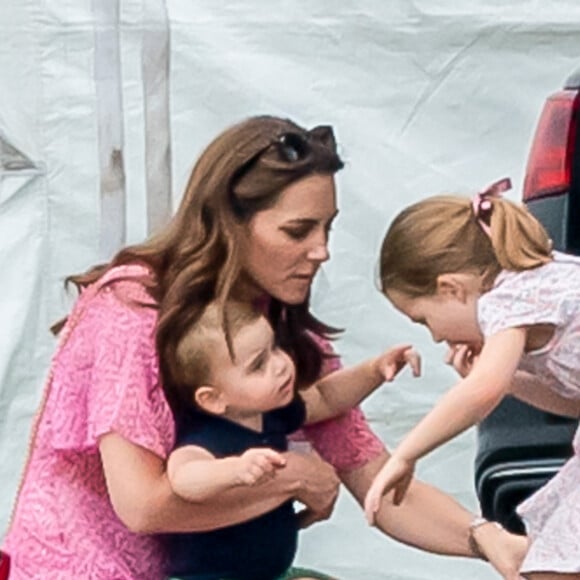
253, 225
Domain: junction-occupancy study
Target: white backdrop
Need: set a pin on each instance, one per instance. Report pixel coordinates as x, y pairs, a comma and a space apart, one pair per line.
426, 96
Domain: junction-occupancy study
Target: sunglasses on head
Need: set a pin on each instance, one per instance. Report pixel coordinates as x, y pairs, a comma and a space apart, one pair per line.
293, 146
290, 146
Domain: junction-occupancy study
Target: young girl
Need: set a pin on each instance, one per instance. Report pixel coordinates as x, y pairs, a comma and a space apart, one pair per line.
239, 404
482, 276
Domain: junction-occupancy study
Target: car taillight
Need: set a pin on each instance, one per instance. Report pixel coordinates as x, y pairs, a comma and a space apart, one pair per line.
549, 163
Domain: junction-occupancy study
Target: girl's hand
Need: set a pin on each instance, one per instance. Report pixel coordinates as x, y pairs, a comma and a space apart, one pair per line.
396, 474
256, 466
504, 550
389, 364
462, 358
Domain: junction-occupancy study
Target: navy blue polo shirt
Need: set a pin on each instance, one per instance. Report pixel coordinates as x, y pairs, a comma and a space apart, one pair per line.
259, 549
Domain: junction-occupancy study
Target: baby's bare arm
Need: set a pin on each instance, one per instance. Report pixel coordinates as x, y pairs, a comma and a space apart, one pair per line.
196, 475
340, 391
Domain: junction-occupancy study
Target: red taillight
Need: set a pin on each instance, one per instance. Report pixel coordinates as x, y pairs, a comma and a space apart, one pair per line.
548, 170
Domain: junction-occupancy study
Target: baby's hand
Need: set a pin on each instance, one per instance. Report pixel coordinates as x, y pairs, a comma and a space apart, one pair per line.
462, 358
396, 474
393, 360
258, 465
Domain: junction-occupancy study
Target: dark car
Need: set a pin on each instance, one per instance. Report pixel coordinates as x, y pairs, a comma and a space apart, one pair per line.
519, 447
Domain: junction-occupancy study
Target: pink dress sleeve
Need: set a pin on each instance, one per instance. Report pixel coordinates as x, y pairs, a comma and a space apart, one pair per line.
106, 376
346, 442
104, 379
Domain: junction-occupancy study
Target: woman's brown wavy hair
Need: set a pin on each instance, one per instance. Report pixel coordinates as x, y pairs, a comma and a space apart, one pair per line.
194, 260
441, 235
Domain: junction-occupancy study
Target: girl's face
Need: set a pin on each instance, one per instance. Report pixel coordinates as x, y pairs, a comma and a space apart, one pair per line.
283, 246
450, 314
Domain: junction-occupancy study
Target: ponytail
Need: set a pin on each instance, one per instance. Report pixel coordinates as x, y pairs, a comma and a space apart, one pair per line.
443, 234
519, 241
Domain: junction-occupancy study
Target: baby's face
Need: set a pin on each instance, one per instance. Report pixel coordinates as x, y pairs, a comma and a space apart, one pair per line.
448, 318
261, 377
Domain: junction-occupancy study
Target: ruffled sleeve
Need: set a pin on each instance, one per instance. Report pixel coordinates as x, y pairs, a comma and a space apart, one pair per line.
106, 376
518, 299
345, 442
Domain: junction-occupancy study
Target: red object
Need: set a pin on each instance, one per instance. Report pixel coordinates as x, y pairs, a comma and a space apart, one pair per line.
549, 164
4, 565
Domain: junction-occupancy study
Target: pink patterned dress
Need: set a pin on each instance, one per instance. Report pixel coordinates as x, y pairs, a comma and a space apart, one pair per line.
547, 295
105, 378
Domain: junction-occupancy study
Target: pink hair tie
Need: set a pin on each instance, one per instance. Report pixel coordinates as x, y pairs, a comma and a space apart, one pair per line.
481, 202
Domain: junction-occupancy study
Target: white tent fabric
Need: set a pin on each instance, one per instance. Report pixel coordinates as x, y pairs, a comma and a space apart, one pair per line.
105, 104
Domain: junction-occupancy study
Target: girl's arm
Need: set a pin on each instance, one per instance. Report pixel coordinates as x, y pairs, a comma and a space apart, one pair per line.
342, 390
470, 400
143, 499
530, 389
525, 386
196, 475
467, 403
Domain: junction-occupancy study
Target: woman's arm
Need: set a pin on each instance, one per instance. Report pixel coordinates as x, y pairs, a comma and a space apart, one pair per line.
142, 497
430, 520
345, 388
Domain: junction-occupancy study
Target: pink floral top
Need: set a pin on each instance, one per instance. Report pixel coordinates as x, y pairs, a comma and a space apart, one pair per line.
549, 294
104, 378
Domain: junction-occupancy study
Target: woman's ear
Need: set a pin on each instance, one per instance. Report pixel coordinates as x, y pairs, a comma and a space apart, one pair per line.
452, 286
210, 399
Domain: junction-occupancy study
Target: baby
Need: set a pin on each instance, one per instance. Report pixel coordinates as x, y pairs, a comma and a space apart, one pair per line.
241, 402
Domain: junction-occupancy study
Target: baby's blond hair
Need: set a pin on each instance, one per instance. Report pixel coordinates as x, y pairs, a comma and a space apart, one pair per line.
194, 351
441, 235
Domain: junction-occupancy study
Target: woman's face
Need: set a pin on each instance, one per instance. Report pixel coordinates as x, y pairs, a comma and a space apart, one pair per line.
283, 246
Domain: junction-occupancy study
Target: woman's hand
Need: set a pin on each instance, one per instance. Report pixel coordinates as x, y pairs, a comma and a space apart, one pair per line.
396, 474
318, 488
505, 551
391, 362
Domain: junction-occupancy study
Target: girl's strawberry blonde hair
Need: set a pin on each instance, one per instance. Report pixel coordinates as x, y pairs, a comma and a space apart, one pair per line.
442, 235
